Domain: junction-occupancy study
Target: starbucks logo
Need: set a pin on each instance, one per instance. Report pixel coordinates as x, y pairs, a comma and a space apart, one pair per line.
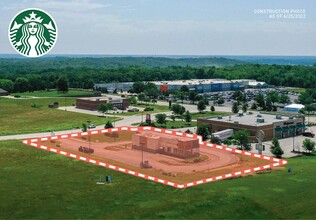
33, 32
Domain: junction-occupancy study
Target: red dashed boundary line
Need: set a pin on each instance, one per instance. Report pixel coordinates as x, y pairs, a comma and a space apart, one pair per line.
274, 161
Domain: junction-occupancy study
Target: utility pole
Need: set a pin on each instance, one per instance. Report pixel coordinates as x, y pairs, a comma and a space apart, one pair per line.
88, 121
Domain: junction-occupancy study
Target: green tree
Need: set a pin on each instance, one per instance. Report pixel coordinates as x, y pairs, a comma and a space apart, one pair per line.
254, 106
161, 119
276, 149
260, 100
88, 83
147, 100
244, 107
109, 106
274, 97
182, 110
212, 108
200, 73
220, 101
201, 106
84, 127
21, 84
7, 85
181, 96
138, 87
151, 90
192, 96
308, 145
284, 99
173, 118
62, 84
184, 88
133, 100
215, 140
187, 117
176, 109
268, 105
141, 97
203, 131
103, 108
108, 124
242, 137
235, 107
305, 98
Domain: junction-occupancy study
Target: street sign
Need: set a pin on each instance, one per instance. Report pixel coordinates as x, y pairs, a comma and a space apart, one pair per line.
260, 135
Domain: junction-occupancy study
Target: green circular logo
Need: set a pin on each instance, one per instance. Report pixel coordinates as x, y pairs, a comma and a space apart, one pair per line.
33, 32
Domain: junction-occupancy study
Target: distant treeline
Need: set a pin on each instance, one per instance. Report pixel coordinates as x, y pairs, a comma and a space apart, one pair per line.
21, 66
23, 78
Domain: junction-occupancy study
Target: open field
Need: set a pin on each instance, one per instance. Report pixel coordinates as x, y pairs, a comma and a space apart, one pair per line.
300, 90
54, 93
173, 124
18, 116
33, 180
116, 148
197, 115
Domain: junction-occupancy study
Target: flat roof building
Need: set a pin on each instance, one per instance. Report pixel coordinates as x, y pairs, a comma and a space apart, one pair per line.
279, 126
293, 107
93, 103
199, 85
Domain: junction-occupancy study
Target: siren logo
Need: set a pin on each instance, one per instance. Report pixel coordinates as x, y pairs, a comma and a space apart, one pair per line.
33, 32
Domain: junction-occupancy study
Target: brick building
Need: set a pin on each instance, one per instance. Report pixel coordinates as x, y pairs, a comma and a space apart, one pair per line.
93, 103
182, 147
279, 126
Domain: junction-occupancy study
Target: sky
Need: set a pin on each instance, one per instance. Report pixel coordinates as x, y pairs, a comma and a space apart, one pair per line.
173, 27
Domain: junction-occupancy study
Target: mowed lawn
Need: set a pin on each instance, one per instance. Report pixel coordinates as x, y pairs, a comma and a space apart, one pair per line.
54, 93
38, 184
17, 116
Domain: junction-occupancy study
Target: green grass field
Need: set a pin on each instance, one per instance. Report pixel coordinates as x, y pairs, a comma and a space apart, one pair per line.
300, 90
173, 124
54, 93
17, 116
197, 115
36, 184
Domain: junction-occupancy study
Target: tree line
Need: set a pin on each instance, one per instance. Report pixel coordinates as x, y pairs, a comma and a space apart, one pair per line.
83, 77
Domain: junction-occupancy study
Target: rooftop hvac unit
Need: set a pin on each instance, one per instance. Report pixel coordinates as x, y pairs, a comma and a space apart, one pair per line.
278, 117
260, 120
219, 117
236, 122
259, 116
240, 114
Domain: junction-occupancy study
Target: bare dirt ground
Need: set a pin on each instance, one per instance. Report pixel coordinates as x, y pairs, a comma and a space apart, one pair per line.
116, 149
121, 151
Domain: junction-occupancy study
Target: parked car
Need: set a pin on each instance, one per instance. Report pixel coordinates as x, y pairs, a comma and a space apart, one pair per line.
92, 126
308, 134
133, 110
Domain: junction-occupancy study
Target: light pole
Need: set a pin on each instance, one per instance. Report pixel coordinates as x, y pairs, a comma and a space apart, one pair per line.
293, 137
142, 116
142, 144
114, 118
88, 121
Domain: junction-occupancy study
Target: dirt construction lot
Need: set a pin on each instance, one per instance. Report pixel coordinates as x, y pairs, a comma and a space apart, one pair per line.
117, 151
